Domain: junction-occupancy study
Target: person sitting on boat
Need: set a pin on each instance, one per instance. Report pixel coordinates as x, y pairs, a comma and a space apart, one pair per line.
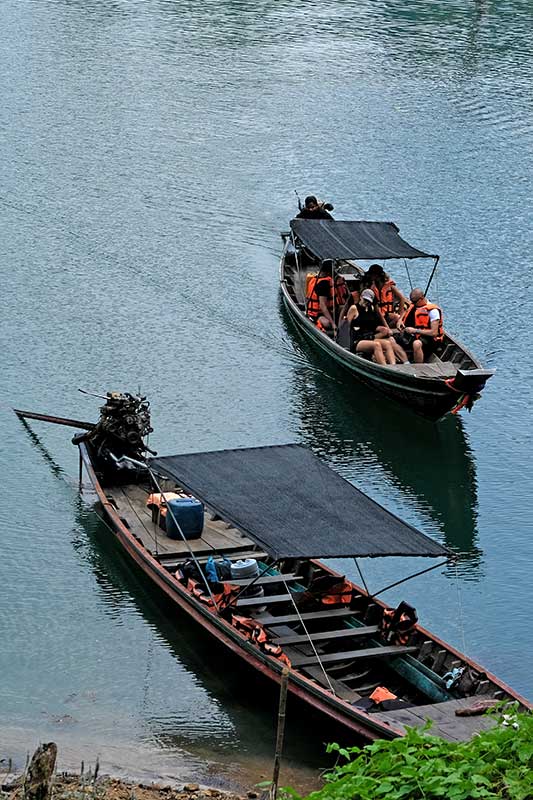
387, 293
424, 321
314, 210
319, 300
369, 333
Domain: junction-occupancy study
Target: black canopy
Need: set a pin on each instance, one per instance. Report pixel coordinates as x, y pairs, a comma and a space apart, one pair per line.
328, 238
293, 505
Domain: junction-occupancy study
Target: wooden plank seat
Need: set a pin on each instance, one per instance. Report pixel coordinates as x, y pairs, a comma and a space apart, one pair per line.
264, 600
350, 655
308, 616
175, 559
326, 636
265, 579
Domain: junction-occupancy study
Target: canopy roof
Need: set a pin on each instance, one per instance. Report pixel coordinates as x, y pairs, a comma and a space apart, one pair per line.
329, 238
293, 505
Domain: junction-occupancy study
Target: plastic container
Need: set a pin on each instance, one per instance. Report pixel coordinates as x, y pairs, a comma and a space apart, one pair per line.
189, 513
247, 568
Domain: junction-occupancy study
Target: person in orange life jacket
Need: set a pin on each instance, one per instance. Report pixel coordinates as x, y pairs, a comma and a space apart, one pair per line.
320, 304
314, 210
386, 292
424, 321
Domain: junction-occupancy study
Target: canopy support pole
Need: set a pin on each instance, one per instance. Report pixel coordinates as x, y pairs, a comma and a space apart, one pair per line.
361, 575
414, 575
432, 274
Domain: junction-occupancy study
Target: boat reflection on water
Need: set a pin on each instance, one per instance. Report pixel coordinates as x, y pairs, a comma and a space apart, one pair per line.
374, 442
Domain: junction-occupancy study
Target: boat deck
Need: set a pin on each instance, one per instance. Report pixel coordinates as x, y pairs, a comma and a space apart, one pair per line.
217, 537
445, 723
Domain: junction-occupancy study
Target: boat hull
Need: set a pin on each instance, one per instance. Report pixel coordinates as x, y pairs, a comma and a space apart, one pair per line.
353, 720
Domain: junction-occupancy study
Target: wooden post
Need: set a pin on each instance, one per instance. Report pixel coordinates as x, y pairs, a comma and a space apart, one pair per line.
81, 473
38, 778
281, 731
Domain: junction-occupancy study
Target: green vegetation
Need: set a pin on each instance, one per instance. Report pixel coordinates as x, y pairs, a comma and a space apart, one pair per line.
497, 763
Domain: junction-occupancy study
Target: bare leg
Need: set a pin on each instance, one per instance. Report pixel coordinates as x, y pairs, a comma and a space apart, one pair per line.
374, 348
418, 352
399, 352
388, 352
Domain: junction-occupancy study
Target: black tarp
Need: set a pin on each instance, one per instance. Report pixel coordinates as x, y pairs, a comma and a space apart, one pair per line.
327, 238
293, 505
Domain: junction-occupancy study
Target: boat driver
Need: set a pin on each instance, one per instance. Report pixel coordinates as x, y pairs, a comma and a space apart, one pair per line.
424, 321
314, 210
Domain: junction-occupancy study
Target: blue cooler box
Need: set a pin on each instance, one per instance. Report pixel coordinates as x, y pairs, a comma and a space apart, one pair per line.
189, 513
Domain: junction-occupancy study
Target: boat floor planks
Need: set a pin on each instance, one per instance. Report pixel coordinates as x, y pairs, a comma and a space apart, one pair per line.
442, 715
131, 506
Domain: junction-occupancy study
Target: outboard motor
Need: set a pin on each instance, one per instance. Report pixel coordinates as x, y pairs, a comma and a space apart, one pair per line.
123, 425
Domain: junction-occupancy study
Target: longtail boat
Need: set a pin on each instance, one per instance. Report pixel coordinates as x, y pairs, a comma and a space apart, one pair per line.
451, 378
245, 567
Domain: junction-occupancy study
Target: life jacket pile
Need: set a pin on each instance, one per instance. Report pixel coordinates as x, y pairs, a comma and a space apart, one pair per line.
421, 319
398, 624
329, 591
313, 309
255, 632
157, 503
222, 593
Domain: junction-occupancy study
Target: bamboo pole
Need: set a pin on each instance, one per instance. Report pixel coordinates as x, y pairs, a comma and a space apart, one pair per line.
281, 731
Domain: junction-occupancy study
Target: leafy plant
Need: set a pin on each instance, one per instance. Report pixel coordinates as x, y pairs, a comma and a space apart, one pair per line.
497, 763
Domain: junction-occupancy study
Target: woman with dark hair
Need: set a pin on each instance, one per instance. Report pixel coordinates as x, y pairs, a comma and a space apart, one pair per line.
369, 334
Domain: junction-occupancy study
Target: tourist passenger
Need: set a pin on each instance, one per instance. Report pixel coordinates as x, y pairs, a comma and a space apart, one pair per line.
369, 333
387, 292
424, 321
314, 210
319, 299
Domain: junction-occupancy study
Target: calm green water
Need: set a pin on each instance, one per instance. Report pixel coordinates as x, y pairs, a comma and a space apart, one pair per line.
148, 158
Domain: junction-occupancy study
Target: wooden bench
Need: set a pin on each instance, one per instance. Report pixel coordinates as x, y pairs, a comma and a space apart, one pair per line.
326, 636
350, 655
264, 600
307, 616
263, 580
169, 560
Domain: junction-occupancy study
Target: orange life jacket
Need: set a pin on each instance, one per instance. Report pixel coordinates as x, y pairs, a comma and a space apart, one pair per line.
313, 309
398, 624
386, 297
221, 599
421, 319
338, 595
255, 632
341, 291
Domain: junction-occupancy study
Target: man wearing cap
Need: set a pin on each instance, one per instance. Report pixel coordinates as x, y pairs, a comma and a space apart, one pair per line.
315, 210
424, 321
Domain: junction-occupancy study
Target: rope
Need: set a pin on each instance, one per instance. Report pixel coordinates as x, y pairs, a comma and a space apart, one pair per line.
460, 602
189, 548
302, 623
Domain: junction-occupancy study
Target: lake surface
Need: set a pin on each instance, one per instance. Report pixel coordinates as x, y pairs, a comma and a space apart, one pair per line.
148, 160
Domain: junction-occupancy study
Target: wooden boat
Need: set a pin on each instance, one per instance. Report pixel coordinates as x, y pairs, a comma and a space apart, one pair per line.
450, 378
352, 659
